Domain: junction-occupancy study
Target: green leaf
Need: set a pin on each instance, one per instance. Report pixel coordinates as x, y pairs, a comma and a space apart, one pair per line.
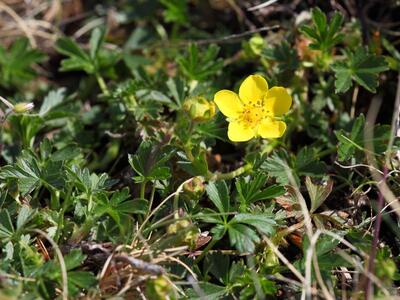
80, 280
284, 55
219, 194
206, 290
349, 143
150, 160
176, 87
200, 66
318, 193
352, 144
16, 64
215, 128
242, 237
24, 216
263, 222
277, 165
96, 40
6, 224
198, 166
69, 152
78, 60
175, 11
324, 35
251, 190
74, 259
52, 99
308, 164
360, 66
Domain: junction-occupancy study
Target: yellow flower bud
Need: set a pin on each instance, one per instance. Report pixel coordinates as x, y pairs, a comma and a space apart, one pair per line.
158, 288
23, 107
172, 229
256, 44
199, 109
193, 189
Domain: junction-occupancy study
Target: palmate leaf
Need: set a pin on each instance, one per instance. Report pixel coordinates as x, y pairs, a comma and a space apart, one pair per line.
243, 237
306, 163
207, 291
360, 66
318, 193
219, 194
284, 55
175, 11
324, 35
150, 160
30, 174
200, 66
16, 63
251, 190
78, 60
352, 143
263, 222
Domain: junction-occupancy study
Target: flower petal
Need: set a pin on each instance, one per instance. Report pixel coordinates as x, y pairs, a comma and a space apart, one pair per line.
269, 129
253, 88
277, 101
238, 133
228, 103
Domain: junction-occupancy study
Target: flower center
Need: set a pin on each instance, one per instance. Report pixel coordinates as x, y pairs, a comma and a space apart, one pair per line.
252, 114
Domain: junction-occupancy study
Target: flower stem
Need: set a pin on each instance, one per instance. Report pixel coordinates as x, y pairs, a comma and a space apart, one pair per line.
143, 189
230, 175
102, 84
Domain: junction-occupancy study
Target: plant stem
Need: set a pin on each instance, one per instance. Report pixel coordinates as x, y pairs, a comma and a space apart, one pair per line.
102, 84
326, 152
153, 190
230, 175
143, 190
369, 292
354, 102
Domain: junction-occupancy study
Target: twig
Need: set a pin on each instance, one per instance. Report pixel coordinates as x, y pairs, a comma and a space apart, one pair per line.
179, 190
371, 264
354, 102
395, 122
60, 260
225, 39
262, 5
233, 36
20, 22
285, 260
140, 264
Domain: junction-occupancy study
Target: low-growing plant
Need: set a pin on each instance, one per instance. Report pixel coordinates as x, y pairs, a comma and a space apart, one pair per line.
182, 160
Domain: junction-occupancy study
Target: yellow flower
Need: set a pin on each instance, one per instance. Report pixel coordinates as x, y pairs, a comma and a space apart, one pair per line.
255, 111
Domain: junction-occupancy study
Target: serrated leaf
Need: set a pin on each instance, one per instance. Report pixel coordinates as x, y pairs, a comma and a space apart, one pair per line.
324, 35
284, 55
78, 60
263, 222
360, 66
206, 290
16, 63
52, 99
242, 237
277, 166
96, 40
318, 193
307, 163
74, 259
200, 66
219, 194
150, 160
